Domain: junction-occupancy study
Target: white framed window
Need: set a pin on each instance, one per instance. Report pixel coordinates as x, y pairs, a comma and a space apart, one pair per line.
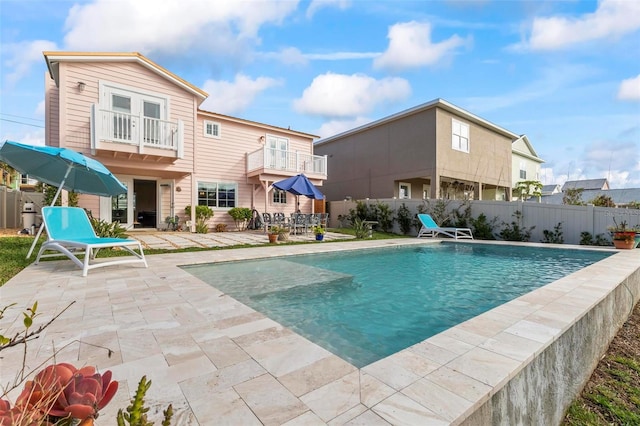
459, 135
218, 194
277, 152
279, 196
404, 190
523, 170
211, 129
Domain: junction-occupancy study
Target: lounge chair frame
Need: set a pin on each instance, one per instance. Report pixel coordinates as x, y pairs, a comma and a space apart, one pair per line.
70, 232
431, 229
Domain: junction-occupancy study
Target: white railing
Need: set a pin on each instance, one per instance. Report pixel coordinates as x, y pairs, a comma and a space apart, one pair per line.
290, 161
138, 130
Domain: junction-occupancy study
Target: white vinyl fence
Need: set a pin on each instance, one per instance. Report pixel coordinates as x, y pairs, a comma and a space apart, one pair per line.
574, 219
12, 204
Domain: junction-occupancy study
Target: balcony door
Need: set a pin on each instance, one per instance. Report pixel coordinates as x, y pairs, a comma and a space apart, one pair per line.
136, 113
277, 156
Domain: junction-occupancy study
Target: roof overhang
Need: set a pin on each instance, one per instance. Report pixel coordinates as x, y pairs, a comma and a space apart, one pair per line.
54, 58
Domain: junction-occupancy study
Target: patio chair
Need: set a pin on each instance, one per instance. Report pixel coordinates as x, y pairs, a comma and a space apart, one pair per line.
70, 232
298, 223
431, 229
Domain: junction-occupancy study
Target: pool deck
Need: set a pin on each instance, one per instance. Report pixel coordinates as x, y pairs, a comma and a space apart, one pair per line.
217, 360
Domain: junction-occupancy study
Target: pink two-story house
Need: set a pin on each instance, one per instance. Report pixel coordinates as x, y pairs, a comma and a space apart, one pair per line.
145, 125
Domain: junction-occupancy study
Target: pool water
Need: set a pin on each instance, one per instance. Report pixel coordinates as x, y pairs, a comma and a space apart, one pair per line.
364, 305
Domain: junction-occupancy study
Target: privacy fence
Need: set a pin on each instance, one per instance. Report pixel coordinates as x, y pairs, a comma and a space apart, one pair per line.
573, 219
12, 204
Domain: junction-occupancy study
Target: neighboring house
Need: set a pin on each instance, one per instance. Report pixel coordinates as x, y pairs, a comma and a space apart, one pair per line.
9, 177
626, 197
550, 189
586, 184
434, 150
525, 163
144, 124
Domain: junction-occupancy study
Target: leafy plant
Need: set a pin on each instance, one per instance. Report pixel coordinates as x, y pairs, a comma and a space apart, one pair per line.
136, 412
221, 227
203, 214
555, 236
241, 216
586, 239
483, 228
49, 191
384, 216
514, 231
602, 201
573, 197
106, 229
404, 219
318, 230
528, 188
361, 231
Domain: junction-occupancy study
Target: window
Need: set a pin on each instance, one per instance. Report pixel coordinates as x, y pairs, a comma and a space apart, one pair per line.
212, 129
279, 196
459, 136
404, 190
523, 170
217, 194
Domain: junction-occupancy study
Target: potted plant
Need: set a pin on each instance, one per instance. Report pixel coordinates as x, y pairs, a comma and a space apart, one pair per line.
319, 232
623, 236
273, 233
283, 233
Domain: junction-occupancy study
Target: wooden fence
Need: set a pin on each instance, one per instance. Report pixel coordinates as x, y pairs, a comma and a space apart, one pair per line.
573, 219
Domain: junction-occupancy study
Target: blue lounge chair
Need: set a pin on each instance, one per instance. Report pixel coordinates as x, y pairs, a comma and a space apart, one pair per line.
70, 233
431, 229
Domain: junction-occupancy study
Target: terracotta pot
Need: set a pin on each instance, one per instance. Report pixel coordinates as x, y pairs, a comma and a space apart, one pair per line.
624, 244
273, 238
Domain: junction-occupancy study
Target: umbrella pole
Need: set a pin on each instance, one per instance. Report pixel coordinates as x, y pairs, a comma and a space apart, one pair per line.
55, 197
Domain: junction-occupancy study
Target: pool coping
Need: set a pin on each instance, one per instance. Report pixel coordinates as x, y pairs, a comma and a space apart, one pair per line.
194, 341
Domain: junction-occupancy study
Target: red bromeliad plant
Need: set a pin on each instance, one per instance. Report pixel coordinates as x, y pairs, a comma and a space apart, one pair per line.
60, 394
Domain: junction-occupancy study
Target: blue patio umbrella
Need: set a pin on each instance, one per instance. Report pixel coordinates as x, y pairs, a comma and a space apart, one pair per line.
299, 185
61, 167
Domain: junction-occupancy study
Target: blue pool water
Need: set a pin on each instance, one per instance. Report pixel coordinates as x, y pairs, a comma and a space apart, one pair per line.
364, 305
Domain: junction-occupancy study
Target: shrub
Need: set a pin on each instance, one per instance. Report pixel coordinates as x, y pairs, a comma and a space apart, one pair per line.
221, 227
241, 216
555, 236
384, 216
360, 228
586, 239
203, 214
515, 231
404, 219
483, 228
106, 229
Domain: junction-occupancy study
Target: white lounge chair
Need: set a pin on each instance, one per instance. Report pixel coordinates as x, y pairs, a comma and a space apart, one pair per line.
431, 229
70, 233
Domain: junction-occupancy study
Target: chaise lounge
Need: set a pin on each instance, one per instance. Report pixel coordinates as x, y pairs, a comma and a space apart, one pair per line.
431, 229
70, 233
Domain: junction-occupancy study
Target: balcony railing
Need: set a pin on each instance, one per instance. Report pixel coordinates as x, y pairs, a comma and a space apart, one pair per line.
270, 160
137, 131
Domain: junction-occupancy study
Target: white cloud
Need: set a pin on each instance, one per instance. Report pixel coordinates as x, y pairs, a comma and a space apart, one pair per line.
630, 89
339, 95
315, 5
171, 25
333, 127
22, 56
233, 97
410, 46
40, 109
612, 19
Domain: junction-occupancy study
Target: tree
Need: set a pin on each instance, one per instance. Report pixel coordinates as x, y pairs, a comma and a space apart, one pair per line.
573, 197
529, 188
603, 201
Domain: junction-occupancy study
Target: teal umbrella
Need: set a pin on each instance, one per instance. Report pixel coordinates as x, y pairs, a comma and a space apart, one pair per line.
61, 167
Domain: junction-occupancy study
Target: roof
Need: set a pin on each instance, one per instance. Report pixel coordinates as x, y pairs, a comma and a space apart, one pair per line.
531, 154
586, 184
550, 189
53, 58
619, 196
254, 123
436, 103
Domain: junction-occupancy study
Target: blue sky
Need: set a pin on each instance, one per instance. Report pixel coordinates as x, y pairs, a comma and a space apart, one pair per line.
565, 73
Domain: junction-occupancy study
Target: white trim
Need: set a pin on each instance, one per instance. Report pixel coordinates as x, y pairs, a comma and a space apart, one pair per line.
214, 124
460, 140
400, 191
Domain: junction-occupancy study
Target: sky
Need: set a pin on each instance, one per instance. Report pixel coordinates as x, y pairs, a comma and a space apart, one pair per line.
564, 73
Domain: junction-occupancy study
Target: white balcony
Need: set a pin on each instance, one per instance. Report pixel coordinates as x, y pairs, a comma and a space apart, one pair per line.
135, 134
279, 162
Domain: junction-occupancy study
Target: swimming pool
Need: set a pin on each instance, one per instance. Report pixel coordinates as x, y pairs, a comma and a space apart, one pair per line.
367, 304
